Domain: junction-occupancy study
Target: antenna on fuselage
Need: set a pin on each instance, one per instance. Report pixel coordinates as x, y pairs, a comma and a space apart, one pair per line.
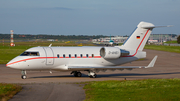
50, 45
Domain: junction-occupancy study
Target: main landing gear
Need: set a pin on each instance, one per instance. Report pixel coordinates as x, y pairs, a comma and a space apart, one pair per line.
23, 76
76, 73
91, 74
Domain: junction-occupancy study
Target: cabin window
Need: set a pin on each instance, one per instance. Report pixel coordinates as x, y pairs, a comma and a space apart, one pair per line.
87, 55
75, 55
30, 54
69, 55
64, 55
92, 55
57, 55
81, 55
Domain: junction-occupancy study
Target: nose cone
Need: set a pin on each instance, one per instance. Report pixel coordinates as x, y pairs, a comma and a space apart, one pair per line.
14, 63
10, 64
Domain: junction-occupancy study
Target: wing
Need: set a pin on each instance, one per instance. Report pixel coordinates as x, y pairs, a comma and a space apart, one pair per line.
151, 64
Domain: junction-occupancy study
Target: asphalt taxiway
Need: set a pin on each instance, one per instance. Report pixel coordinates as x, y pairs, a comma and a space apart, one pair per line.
167, 66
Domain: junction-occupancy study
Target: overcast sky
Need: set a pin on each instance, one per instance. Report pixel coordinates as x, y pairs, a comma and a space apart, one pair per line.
87, 17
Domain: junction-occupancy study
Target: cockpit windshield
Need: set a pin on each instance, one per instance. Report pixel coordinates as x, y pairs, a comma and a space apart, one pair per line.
30, 54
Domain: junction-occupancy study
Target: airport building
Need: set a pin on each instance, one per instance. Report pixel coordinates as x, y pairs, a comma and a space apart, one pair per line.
162, 38
116, 39
154, 38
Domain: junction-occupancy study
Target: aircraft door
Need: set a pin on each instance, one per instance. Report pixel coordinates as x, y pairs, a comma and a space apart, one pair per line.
49, 56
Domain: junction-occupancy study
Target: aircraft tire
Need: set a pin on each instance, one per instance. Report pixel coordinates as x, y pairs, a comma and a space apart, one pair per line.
23, 77
75, 74
93, 76
78, 74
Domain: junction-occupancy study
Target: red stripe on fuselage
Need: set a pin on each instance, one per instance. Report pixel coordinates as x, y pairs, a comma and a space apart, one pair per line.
48, 58
25, 60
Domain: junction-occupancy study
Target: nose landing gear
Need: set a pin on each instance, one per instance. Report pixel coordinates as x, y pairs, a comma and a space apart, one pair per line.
23, 76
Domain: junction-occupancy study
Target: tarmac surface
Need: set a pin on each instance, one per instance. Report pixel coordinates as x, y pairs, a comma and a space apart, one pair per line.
41, 85
50, 92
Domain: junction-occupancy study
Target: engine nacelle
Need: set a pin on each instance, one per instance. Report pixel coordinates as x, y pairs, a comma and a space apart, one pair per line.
110, 52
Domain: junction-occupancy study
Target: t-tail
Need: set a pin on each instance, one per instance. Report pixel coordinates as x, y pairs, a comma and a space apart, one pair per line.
139, 37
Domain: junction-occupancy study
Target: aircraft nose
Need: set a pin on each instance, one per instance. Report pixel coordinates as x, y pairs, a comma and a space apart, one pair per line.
15, 63
10, 64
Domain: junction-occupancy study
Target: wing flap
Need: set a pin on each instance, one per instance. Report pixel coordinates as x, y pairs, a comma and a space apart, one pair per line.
151, 64
103, 67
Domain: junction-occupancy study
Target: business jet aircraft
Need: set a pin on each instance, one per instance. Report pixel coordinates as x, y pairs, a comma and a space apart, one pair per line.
90, 59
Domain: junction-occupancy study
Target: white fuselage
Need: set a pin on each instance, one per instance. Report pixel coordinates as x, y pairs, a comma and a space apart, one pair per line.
58, 58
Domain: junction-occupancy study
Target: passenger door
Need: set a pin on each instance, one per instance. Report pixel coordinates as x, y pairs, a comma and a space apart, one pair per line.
49, 55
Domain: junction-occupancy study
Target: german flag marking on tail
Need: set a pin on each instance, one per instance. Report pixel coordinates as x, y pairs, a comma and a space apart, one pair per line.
137, 37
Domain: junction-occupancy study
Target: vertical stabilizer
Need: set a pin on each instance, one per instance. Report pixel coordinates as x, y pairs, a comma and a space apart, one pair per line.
139, 37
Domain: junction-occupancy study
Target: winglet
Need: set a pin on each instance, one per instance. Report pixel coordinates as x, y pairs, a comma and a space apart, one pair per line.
151, 64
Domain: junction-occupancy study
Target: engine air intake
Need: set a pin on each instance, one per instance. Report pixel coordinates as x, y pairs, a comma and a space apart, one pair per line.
112, 52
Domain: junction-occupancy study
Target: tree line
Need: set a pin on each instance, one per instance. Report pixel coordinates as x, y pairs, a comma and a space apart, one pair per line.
59, 37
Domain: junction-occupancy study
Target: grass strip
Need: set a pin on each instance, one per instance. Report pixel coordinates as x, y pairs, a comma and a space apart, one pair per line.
136, 90
7, 91
169, 42
175, 49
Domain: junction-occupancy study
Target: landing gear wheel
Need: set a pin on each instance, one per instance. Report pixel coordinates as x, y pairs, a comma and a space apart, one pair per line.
77, 74
92, 74
23, 72
23, 77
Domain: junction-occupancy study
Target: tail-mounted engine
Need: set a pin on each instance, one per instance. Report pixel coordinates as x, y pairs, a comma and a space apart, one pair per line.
112, 52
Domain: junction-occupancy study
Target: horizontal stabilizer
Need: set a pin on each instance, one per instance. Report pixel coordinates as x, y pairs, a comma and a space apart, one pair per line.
151, 64
150, 27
